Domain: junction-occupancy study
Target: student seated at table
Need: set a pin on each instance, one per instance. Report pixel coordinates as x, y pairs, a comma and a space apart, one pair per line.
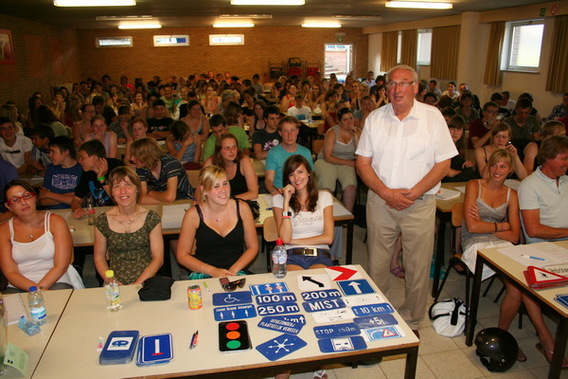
37, 247
164, 179
265, 139
461, 170
218, 127
62, 175
100, 133
96, 167
240, 171
138, 128
549, 129
222, 228
42, 134
543, 201
304, 216
14, 148
131, 235
184, 145
299, 110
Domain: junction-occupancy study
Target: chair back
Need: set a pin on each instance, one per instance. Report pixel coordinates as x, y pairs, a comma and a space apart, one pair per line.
455, 237
269, 231
317, 145
193, 177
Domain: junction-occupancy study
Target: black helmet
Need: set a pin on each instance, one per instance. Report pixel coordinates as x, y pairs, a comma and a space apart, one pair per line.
496, 348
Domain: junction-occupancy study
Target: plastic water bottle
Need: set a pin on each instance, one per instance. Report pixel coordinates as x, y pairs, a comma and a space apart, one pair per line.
279, 258
112, 292
90, 210
37, 305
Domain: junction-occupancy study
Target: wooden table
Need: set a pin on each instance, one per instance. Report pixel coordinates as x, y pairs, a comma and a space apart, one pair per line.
513, 270
72, 349
34, 346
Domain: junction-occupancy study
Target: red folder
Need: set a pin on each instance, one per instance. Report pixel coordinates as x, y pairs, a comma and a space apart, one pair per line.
538, 278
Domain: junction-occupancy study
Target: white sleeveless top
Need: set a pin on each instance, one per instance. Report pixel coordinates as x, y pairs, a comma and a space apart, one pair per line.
35, 258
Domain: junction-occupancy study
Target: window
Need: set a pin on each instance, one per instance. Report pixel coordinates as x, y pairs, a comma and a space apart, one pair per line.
181, 40
114, 41
424, 47
226, 39
522, 45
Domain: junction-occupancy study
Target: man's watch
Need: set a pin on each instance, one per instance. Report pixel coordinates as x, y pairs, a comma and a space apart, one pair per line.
286, 214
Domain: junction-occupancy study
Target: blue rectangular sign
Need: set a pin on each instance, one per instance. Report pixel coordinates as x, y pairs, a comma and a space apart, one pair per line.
280, 325
355, 287
368, 322
236, 312
320, 295
372, 309
337, 330
275, 298
334, 345
277, 309
323, 305
269, 288
299, 319
232, 298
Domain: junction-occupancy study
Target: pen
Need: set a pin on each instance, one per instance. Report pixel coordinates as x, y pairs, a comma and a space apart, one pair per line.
533, 257
206, 287
194, 338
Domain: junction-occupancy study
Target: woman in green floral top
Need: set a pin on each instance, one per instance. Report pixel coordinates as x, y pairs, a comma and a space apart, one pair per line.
128, 235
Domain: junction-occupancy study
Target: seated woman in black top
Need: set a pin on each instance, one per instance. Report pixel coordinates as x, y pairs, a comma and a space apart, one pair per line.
240, 172
224, 231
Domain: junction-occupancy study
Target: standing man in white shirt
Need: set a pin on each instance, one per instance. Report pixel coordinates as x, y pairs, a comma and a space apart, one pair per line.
403, 153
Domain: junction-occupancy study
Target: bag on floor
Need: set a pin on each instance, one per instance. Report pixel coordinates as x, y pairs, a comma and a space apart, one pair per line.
448, 317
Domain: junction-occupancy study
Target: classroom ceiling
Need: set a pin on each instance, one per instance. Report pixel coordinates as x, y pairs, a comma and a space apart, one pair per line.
190, 13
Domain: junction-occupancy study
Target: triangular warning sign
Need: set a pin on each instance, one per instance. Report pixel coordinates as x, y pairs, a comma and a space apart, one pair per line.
541, 278
388, 333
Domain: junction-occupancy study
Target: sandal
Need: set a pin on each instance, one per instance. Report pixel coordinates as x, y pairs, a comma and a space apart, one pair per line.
398, 272
547, 354
521, 357
319, 374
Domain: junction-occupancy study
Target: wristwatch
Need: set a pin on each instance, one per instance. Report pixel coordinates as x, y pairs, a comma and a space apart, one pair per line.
286, 214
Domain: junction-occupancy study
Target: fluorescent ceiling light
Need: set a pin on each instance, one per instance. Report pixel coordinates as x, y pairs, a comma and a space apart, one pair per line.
124, 18
418, 5
267, 2
321, 24
233, 25
253, 16
140, 25
357, 17
94, 3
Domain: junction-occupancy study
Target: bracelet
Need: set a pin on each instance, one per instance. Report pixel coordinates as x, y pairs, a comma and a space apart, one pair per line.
285, 217
101, 179
495, 227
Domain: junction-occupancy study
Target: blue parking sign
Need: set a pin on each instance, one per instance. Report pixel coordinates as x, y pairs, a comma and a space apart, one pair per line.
355, 287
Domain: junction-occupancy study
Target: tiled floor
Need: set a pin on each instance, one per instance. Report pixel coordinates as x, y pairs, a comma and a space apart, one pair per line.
439, 357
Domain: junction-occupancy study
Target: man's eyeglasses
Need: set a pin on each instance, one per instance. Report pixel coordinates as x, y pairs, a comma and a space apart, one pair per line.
400, 84
17, 199
231, 286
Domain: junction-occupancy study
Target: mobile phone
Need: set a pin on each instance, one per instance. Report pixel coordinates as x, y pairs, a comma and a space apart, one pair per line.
234, 336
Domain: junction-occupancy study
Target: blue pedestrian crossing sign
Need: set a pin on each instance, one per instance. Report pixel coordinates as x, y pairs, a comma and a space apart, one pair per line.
355, 287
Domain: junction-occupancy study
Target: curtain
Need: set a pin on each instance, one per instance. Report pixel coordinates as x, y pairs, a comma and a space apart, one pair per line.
557, 80
388, 51
492, 75
445, 50
409, 47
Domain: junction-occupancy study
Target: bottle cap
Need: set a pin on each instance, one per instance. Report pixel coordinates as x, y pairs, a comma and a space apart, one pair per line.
109, 273
279, 242
33, 288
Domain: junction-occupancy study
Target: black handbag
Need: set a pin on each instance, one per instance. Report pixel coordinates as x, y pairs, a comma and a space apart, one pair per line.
156, 288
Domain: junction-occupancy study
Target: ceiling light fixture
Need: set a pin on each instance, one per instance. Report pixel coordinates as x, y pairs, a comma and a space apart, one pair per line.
139, 25
94, 3
253, 16
124, 18
268, 2
233, 25
418, 5
357, 17
321, 24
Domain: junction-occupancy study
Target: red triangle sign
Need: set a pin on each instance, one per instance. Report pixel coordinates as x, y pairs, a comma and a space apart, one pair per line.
542, 276
345, 273
388, 333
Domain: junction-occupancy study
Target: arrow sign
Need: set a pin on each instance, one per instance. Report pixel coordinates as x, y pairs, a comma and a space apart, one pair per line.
342, 273
309, 279
355, 287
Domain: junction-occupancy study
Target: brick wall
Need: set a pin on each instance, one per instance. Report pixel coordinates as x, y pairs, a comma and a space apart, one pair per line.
45, 57
262, 45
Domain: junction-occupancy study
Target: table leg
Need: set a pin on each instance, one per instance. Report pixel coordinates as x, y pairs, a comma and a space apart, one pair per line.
440, 247
349, 247
471, 320
411, 363
559, 349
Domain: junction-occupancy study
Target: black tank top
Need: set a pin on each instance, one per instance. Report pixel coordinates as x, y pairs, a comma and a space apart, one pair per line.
239, 182
218, 251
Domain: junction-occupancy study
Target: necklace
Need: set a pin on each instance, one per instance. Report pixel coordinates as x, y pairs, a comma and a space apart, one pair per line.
128, 221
